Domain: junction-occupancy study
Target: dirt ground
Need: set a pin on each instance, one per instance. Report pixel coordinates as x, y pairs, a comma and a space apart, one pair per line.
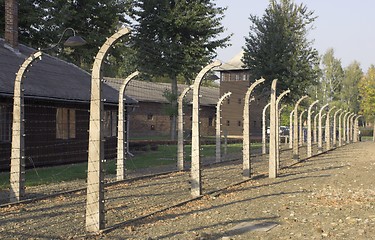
330, 196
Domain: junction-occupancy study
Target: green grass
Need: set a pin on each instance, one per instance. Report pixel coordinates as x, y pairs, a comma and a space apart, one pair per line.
367, 138
165, 155
151, 138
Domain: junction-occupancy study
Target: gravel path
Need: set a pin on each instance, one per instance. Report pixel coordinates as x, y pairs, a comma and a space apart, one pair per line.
328, 196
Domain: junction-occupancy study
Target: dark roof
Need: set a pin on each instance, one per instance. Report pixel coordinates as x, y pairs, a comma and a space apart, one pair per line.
145, 91
49, 78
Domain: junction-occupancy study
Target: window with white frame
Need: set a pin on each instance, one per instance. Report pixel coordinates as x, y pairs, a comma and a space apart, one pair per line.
65, 123
5, 123
110, 123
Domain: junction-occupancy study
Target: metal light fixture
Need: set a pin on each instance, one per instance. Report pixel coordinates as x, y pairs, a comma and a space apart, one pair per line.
73, 41
17, 173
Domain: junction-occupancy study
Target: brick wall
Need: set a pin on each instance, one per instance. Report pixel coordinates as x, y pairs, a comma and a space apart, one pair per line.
232, 109
150, 119
11, 23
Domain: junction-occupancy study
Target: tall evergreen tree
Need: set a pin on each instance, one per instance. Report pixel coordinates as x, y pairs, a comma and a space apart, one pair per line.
176, 37
277, 47
42, 22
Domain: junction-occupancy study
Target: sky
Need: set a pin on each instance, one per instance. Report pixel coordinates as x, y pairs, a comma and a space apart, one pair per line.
347, 26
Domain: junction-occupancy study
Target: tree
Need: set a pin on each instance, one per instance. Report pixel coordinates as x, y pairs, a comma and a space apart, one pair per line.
350, 90
332, 77
367, 96
176, 37
42, 22
277, 47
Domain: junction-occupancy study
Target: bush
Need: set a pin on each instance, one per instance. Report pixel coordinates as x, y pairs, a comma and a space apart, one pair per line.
366, 131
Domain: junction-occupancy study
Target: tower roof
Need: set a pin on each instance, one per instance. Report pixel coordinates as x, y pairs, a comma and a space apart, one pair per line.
234, 64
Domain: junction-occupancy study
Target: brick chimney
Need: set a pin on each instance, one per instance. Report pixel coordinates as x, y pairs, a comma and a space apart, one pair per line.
11, 23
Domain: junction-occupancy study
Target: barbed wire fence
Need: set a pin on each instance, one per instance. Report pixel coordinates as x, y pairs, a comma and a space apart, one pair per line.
57, 134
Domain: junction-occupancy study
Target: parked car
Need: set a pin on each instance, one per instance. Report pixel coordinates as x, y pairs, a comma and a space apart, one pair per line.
284, 130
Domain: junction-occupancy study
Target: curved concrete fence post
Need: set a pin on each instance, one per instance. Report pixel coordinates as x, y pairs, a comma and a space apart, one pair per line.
277, 122
95, 179
295, 129
334, 132
300, 128
320, 130
345, 127
323, 128
340, 128
316, 128
218, 125
122, 134
180, 129
264, 129
351, 127
196, 182
328, 128
291, 129
309, 140
246, 164
17, 155
356, 129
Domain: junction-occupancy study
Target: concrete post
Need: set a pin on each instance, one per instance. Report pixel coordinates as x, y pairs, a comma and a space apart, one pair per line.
291, 129
300, 129
320, 132
218, 125
122, 136
278, 112
95, 179
309, 142
180, 129
334, 137
196, 182
356, 130
351, 129
328, 129
316, 128
264, 128
246, 166
17, 157
345, 127
348, 127
295, 130
273, 132
340, 128
323, 128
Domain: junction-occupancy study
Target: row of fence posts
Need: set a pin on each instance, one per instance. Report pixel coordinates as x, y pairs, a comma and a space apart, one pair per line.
95, 212
347, 132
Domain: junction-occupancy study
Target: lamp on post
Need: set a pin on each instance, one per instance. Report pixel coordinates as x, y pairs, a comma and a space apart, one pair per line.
17, 159
72, 41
